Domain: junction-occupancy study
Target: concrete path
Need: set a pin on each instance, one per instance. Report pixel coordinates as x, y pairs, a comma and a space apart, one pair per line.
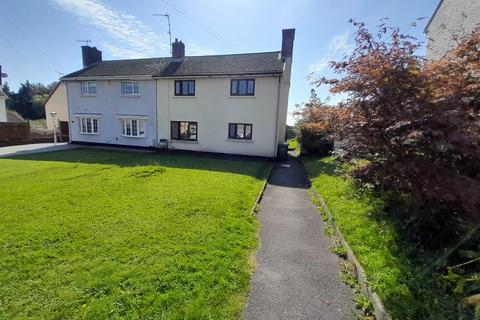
33, 148
296, 277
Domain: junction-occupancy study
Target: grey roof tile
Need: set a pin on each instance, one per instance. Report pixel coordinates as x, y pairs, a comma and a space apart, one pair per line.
231, 64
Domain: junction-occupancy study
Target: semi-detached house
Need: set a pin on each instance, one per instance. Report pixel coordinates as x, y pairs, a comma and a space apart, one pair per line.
235, 103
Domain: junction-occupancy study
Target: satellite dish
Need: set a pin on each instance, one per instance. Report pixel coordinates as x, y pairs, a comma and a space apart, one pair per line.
4, 75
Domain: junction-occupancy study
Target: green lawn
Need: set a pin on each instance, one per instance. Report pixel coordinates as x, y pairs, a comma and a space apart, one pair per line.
395, 270
95, 234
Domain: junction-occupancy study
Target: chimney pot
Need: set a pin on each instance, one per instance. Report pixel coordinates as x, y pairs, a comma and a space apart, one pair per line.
90, 55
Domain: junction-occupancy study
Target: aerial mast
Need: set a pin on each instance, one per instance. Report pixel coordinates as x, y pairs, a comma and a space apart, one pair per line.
169, 28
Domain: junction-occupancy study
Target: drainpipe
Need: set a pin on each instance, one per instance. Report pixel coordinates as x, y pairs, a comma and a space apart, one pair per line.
275, 148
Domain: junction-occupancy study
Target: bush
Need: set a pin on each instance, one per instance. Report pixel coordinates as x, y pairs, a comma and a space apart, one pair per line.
417, 123
315, 126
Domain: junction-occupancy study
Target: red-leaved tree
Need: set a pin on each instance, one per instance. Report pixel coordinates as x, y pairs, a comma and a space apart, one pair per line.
416, 122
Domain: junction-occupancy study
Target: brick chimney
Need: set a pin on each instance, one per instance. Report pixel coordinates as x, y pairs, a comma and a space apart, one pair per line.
288, 35
90, 55
178, 50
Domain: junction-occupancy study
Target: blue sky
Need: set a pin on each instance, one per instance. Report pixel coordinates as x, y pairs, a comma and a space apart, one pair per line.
38, 37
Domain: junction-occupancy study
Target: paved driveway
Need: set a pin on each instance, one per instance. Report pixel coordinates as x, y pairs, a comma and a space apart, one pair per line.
296, 277
33, 148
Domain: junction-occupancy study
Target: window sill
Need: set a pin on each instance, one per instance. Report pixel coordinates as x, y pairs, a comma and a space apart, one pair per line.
88, 95
241, 140
183, 97
135, 137
183, 141
130, 96
89, 134
242, 97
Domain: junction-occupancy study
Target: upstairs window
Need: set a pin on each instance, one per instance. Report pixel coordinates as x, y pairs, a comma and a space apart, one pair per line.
183, 130
130, 88
88, 125
241, 131
133, 128
184, 87
243, 87
89, 88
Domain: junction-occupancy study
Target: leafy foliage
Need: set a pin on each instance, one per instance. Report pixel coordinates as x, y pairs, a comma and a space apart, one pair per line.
416, 122
314, 125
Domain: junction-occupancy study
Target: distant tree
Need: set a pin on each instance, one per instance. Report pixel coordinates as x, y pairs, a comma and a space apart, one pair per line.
29, 99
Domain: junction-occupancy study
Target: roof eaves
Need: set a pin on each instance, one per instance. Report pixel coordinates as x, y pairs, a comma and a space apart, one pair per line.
51, 93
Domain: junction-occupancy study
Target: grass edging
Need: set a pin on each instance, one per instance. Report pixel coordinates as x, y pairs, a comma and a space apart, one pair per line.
260, 195
379, 309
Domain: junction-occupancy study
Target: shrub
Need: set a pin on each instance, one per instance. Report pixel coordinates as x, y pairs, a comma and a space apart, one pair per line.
315, 129
417, 123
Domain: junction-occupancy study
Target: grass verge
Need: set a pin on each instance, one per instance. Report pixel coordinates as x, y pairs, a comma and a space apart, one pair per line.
95, 234
395, 270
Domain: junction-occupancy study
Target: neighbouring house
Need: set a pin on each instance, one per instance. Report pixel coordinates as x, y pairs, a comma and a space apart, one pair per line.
234, 103
451, 17
3, 108
56, 102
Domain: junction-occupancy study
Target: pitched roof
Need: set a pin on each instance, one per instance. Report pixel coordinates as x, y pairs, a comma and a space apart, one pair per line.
2, 94
13, 116
231, 64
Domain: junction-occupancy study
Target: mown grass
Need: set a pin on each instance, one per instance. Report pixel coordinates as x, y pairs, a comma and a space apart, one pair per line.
398, 272
92, 234
293, 144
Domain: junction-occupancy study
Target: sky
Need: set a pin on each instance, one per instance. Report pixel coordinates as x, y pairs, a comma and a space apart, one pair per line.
39, 38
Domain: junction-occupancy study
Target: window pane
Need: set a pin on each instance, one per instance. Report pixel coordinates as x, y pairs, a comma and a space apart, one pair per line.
240, 130
89, 125
95, 125
141, 127
192, 131
191, 88
135, 88
84, 88
177, 87
83, 126
123, 126
174, 130
184, 88
231, 130
129, 132
248, 131
134, 128
127, 88
251, 86
234, 87
184, 130
242, 88
92, 88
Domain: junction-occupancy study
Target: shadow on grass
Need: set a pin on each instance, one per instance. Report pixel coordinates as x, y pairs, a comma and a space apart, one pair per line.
255, 167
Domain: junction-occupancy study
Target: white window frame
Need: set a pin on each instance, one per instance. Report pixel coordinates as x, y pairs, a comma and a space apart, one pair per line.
133, 85
86, 87
129, 123
87, 125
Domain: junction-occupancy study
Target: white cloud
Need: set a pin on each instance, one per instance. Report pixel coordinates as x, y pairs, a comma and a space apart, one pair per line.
320, 65
337, 47
132, 37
